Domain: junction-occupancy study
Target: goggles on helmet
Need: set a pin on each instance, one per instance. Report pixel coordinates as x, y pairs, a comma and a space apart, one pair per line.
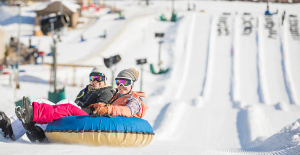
97, 76
123, 81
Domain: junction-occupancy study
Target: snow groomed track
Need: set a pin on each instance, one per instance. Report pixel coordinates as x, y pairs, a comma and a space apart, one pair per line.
291, 46
270, 61
245, 60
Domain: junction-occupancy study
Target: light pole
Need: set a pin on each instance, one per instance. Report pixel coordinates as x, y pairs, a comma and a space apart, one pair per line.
173, 11
141, 62
19, 47
52, 20
159, 51
112, 71
159, 35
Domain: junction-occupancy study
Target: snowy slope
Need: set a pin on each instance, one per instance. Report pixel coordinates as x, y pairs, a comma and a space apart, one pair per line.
245, 61
270, 61
291, 47
186, 111
217, 86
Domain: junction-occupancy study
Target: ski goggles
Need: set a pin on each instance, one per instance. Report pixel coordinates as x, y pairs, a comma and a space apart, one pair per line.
97, 76
123, 81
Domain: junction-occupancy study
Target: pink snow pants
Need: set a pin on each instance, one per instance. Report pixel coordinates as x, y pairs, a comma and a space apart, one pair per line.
45, 113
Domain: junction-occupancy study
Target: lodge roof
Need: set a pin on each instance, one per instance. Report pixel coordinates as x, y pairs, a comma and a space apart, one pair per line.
54, 6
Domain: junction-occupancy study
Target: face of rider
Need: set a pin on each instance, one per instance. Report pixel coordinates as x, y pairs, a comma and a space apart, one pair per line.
124, 90
97, 84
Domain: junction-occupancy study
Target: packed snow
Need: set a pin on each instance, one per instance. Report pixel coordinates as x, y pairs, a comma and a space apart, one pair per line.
233, 85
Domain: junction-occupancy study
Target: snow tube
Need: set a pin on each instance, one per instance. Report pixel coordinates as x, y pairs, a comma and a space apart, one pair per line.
92, 130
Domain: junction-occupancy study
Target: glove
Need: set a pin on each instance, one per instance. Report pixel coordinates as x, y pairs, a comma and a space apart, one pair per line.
101, 111
96, 105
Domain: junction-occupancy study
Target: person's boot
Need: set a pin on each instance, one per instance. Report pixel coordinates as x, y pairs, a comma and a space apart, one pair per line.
22, 116
5, 126
34, 133
28, 111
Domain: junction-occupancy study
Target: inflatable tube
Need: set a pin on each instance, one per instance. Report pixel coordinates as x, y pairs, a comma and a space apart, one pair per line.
91, 130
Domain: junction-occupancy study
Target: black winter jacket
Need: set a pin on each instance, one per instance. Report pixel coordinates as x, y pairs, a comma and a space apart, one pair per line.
101, 95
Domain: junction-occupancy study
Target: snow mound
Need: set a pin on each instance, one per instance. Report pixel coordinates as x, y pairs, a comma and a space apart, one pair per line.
241, 104
171, 121
198, 102
286, 141
282, 106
